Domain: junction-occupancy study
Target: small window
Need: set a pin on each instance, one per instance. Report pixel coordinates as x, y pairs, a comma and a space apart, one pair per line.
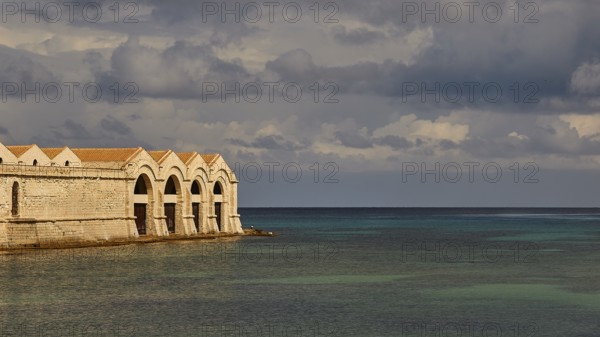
15, 199
140, 186
67, 163
1, 160
35, 162
170, 187
195, 188
217, 188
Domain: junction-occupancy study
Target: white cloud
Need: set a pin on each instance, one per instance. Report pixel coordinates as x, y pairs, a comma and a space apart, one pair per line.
411, 127
586, 79
587, 126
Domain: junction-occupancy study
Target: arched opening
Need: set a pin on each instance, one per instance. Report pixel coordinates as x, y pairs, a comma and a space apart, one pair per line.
218, 197
140, 186
196, 204
1, 161
170, 202
196, 188
35, 162
15, 199
140, 206
67, 163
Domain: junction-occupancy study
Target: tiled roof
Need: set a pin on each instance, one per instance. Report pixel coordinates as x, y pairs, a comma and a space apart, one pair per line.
53, 152
210, 158
108, 154
158, 155
19, 150
114, 154
186, 156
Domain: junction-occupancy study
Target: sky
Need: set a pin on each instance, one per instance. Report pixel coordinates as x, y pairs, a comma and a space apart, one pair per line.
332, 103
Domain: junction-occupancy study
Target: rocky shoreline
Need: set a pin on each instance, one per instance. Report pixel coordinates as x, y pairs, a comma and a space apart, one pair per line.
139, 240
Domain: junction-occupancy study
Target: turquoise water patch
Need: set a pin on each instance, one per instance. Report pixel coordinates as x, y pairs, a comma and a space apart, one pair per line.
542, 237
351, 232
522, 292
328, 279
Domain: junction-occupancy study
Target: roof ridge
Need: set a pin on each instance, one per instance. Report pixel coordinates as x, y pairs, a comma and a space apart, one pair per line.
139, 149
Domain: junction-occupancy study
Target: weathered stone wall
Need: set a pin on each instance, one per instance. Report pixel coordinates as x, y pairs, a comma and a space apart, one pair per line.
63, 204
96, 201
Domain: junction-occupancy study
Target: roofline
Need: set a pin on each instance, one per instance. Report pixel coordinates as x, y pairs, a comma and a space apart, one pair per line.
138, 151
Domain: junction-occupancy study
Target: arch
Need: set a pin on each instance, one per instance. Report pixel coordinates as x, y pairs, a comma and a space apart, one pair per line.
197, 212
217, 189
15, 199
1, 160
67, 163
220, 211
200, 204
170, 186
222, 203
141, 185
35, 162
143, 203
195, 188
172, 203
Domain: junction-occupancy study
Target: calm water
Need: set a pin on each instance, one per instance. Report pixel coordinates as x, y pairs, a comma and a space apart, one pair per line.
330, 272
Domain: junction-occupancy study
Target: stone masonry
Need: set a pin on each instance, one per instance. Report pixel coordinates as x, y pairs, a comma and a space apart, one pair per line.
62, 195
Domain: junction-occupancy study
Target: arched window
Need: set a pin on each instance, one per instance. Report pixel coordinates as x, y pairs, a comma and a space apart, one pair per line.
140, 186
35, 162
1, 160
170, 188
67, 163
195, 188
15, 199
217, 188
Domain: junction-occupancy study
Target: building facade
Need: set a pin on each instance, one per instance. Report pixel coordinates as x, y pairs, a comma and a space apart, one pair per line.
56, 195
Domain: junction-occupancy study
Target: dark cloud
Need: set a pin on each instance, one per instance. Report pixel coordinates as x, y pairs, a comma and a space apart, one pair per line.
75, 130
296, 66
353, 140
110, 124
269, 143
180, 71
19, 67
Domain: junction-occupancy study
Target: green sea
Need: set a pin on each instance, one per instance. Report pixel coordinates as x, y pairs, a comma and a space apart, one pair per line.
329, 272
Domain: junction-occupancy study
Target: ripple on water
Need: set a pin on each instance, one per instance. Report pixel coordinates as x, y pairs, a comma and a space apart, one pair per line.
327, 279
522, 292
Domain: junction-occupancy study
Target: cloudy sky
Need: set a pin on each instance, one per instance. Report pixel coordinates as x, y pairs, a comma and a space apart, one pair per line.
386, 86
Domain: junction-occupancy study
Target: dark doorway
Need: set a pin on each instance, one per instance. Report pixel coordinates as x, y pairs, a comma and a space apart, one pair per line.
15, 199
170, 214
140, 209
196, 212
170, 205
140, 215
218, 214
196, 204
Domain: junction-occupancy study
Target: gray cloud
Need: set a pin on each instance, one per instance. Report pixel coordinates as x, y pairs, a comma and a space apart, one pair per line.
395, 142
353, 140
359, 36
110, 124
272, 142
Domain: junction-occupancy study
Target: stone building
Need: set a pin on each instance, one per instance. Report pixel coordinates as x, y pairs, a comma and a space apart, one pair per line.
55, 195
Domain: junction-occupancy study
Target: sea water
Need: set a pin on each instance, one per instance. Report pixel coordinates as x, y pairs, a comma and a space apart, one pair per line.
329, 272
